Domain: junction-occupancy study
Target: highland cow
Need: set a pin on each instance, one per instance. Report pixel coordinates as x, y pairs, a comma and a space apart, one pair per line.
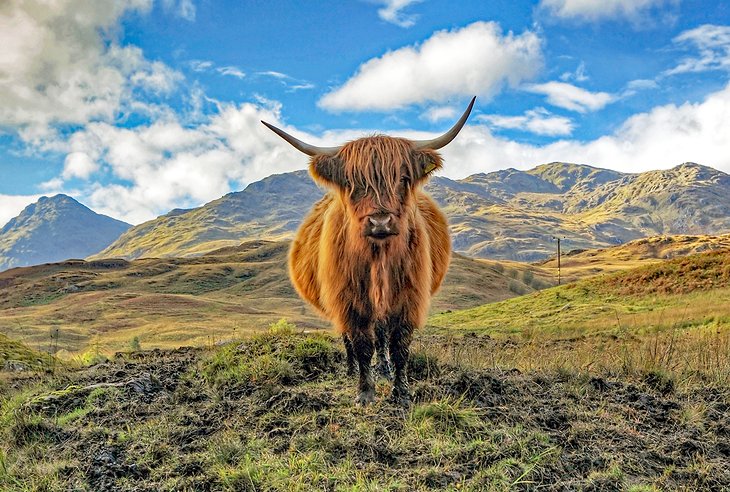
375, 248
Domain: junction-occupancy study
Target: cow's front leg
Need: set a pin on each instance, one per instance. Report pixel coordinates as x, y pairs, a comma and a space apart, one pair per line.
362, 335
400, 341
382, 367
350, 353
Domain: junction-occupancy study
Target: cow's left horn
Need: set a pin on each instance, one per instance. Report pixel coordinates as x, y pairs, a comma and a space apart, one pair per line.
447, 137
308, 149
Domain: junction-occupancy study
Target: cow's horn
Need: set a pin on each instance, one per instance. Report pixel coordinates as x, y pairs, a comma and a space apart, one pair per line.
302, 146
447, 137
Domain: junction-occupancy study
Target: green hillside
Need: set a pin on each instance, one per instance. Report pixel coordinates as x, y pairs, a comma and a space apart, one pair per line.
507, 214
688, 291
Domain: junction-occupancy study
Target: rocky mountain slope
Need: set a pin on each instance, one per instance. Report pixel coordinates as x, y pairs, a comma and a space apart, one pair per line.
507, 214
54, 229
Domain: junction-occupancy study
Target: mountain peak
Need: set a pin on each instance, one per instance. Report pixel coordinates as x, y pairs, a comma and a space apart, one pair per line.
566, 175
55, 228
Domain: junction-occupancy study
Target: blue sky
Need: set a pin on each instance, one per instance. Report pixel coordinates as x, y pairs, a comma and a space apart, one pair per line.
136, 107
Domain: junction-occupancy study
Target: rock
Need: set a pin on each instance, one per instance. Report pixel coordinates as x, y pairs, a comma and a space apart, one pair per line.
16, 366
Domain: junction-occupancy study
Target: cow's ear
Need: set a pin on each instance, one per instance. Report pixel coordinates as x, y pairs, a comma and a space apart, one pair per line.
327, 170
427, 161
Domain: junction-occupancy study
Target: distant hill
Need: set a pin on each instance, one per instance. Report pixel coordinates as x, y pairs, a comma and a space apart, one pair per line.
507, 214
577, 264
269, 209
168, 302
54, 229
684, 293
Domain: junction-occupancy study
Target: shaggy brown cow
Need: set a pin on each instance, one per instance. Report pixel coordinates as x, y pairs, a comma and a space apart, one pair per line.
372, 252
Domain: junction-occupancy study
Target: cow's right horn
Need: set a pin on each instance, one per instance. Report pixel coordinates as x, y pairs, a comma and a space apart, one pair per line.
446, 138
308, 149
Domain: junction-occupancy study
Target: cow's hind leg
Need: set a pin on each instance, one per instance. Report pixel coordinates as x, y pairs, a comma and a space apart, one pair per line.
400, 341
382, 367
350, 352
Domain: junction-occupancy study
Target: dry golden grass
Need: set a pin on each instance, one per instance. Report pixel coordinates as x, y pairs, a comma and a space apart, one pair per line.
633, 254
672, 316
165, 303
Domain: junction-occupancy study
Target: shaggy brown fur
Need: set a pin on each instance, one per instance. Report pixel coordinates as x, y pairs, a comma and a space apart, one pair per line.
364, 282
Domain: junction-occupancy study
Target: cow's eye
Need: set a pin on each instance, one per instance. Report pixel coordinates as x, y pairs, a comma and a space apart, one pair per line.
357, 193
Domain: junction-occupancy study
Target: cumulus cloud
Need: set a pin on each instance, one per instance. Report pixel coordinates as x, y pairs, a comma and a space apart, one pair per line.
438, 113
594, 10
392, 11
60, 64
166, 164
658, 139
475, 60
568, 96
538, 121
713, 44
79, 165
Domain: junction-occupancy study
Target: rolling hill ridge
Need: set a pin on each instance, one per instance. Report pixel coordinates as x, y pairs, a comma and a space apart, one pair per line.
507, 214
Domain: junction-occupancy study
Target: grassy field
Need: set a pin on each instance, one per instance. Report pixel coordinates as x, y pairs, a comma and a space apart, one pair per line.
275, 412
614, 382
76, 307
578, 264
672, 316
107, 305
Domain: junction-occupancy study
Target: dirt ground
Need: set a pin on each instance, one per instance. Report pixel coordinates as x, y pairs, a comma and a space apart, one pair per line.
276, 413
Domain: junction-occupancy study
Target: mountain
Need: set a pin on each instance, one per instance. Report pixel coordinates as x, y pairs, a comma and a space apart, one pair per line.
268, 209
54, 229
508, 214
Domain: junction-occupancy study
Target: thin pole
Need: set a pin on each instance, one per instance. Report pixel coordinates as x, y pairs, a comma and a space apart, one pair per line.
558, 261
559, 273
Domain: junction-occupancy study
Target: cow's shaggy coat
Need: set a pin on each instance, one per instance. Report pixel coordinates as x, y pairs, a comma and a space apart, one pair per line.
372, 252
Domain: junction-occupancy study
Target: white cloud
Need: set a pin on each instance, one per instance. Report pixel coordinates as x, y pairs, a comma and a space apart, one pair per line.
292, 84
166, 165
232, 71
12, 205
182, 8
661, 138
593, 10
201, 65
570, 97
538, 121
475, 60
79, 165
60, 63
713, 43
392, 12
579, 75
438, 113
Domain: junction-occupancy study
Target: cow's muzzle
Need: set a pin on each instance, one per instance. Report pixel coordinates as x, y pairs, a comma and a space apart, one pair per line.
380, 226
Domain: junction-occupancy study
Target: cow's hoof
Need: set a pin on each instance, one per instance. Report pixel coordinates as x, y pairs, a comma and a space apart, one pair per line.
382, 369
400, 397
365, 398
